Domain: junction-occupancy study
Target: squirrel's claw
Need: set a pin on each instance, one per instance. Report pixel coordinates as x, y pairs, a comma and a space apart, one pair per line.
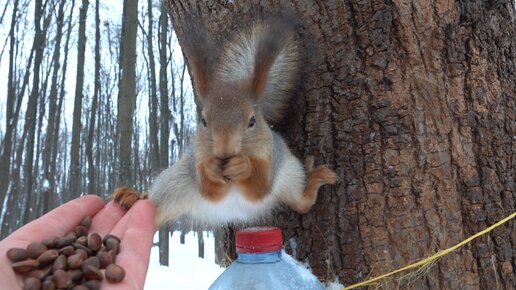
127, 197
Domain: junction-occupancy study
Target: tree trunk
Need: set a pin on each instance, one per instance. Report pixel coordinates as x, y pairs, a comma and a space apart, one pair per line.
94, 104
153, 97
52, 112
164, 232
127, 91
10, 125
179, 107
413, 104
12, 213
37, 207
37, 201
75, 164
163, 89
31, 114
56, 149
182, 132
200, 244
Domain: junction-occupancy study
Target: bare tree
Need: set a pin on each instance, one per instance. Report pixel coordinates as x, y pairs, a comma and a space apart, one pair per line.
94, 104
8, 188
75, 166
4, 11
163, 89
106, 128
56, 174
10, 124
156, 159
127, 91
153, 98
51, 133
31, 113
10, 217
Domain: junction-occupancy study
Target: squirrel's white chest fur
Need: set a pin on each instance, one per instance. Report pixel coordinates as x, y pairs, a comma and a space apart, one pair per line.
176, 193
234, 207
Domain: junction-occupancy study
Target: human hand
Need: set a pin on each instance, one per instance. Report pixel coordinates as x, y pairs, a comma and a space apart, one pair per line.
135, 228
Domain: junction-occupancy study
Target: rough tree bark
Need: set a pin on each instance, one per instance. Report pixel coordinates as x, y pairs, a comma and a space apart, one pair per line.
62, 90
414, 105
52, 112
11, 215
10, 124
153, 96
11, 121
163, 89
75, 164
31, 113
34, 200
94, 104
127, 91
164, 131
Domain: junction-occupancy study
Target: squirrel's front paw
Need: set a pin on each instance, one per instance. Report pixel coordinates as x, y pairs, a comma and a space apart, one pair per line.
126, 196
213, 169
237, 168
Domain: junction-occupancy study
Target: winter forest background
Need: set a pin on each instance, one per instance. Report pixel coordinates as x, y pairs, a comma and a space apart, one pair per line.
61, 82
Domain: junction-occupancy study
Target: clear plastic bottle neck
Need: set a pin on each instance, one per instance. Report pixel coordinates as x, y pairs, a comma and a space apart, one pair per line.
259, 258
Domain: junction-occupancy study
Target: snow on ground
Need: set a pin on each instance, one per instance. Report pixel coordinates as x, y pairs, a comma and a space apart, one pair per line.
186, 270
334, 286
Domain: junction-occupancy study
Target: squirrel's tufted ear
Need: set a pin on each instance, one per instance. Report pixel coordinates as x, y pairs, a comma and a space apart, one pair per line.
275, 37
200, 54
265, 62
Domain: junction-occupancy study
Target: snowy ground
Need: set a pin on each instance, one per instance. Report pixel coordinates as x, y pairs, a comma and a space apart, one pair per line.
186, 270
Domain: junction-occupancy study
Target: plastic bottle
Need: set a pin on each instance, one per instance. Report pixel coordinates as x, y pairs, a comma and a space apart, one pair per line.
263, 265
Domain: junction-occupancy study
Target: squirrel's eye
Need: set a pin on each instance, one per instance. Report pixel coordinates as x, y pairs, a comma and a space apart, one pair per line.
251, 122
203, 121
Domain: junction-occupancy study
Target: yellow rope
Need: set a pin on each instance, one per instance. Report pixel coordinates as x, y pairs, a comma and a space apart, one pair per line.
434, 257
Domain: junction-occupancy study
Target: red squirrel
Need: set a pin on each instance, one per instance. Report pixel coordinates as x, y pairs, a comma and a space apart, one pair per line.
237, 170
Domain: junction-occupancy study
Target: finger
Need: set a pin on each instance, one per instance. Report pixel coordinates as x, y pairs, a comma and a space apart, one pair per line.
59, 221
136, 230
106, 219
138, 217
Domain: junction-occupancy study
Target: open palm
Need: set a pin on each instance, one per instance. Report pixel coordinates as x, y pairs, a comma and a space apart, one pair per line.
135, 229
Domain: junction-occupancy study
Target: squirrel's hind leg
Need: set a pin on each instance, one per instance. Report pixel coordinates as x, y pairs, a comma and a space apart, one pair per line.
127, 197
317, 177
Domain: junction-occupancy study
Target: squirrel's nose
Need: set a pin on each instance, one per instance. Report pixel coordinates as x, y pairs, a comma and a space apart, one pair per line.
225, 148
223, 155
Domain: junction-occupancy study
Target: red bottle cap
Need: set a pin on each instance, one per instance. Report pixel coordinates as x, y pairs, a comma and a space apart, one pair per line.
258, 239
